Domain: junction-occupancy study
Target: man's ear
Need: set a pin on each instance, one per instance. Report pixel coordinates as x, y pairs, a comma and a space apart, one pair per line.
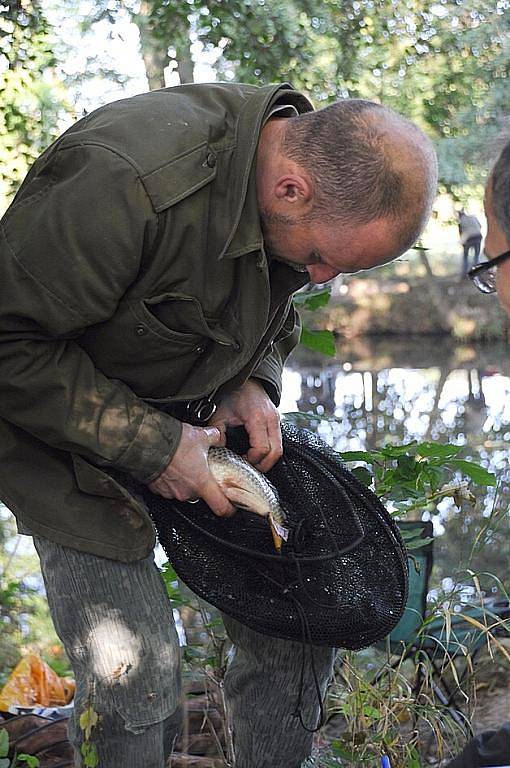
295, 189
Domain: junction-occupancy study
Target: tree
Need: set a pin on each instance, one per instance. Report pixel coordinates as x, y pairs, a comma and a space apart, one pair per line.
444, 64
33, 99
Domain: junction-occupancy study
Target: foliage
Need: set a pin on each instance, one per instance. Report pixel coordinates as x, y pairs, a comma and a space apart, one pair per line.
32, 97
443, 64
206, 651
28, 761
320, 341
312, 299
259, 42
381, 713
24, 616
15, 605
377, 700
376, 704
386, 700
419, 475
89, 720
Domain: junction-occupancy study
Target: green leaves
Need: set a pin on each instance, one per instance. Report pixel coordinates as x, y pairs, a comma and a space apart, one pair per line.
172, 586
344, 750
313, 299
477, 474
413, 540
319, 341
437, 450
32, 105
363, 475
368, 456
418, 475
4, 744
89, 754
88, 720
30, 760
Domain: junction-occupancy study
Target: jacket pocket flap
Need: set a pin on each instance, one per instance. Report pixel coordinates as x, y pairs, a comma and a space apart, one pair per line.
180, 177
97, 482
182, 316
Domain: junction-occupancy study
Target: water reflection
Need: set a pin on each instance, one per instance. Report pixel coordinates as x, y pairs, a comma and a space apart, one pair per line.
376, 392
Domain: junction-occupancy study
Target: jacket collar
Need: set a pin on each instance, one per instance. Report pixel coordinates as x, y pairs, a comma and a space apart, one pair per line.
242, 232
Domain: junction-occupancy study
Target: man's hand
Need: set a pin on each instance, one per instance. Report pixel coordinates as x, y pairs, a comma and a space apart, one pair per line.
188, 477
251, 407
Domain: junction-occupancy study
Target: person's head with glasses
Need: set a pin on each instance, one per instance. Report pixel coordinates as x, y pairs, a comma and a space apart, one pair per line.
493, 275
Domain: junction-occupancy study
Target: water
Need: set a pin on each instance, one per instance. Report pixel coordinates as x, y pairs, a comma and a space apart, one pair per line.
422, 388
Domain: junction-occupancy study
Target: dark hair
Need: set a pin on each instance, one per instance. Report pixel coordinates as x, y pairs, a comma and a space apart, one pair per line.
346, 150
500, 179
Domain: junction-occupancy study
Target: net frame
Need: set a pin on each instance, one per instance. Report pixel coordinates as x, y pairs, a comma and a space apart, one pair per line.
341, 579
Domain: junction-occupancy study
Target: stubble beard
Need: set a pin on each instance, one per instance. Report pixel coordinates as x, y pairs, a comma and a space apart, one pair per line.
271, 223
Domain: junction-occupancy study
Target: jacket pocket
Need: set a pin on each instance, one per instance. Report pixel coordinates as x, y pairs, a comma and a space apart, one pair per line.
181, 318
96, 482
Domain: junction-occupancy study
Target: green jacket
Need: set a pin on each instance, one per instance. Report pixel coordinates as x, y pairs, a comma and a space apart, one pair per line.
132, 276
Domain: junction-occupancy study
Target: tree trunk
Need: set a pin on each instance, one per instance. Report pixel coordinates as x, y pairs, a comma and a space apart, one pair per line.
154, 48
154, 52
185, 66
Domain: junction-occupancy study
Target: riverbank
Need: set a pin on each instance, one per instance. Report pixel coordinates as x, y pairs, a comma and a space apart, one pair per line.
429, 306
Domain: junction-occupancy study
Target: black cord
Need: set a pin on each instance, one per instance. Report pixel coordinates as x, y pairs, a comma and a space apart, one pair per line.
39, 728
306, 642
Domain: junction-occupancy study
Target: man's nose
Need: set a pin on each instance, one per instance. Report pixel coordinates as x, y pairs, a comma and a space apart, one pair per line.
321, 273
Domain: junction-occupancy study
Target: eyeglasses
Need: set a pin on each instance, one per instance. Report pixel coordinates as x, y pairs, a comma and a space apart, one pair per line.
484, 274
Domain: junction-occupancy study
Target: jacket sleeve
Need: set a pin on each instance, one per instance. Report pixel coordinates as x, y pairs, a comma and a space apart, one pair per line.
270, 369
70, 245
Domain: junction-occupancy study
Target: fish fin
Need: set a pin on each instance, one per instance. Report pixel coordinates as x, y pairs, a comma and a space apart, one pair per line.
279, 533
281, 530
242, 498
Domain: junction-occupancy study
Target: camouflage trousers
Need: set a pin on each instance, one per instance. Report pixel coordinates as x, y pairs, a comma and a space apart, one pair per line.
116, 624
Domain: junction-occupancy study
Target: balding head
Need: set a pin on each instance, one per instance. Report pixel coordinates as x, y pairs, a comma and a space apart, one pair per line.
366, 163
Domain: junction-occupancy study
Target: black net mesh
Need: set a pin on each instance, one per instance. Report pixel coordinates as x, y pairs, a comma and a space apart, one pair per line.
341, 579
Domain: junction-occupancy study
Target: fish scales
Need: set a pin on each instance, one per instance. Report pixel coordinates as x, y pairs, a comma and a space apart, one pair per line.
248, 488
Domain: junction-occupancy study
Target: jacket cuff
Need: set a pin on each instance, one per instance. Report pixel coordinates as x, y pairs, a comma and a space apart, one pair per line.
153, 447
269, 374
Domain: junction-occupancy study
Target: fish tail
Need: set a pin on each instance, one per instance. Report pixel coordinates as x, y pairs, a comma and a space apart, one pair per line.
279, 532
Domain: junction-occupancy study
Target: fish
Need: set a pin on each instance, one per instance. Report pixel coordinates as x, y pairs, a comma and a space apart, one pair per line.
247, 488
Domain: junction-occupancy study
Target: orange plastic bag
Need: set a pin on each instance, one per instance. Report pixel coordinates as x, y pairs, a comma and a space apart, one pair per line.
32, 682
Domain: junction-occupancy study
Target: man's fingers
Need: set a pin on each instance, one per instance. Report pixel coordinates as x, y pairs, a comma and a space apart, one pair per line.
214, 435
216, 500
266, 443
258, 453
268, 461
211, 493
221, 426
260, 444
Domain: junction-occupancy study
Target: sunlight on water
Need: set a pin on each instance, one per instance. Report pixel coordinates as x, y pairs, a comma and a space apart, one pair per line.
444, 396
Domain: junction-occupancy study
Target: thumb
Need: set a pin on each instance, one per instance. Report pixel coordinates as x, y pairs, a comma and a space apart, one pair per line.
214, 436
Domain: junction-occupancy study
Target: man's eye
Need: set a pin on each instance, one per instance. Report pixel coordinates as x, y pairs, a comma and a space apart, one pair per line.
315, 258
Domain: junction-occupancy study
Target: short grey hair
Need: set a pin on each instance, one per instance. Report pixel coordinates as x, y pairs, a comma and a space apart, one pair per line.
500, 199
352, 159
